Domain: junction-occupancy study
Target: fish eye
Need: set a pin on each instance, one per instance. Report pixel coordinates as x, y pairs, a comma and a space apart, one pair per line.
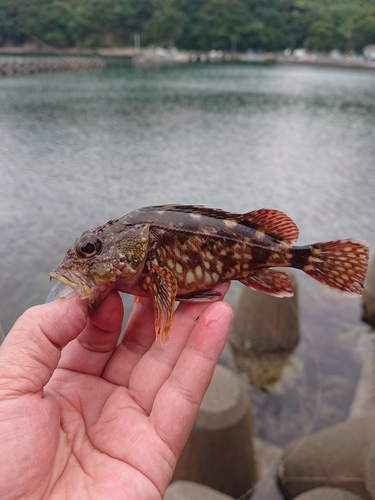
88, 246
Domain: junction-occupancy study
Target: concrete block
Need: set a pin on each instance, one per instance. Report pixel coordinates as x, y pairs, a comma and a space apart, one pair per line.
264, 332
333, 457
186, 490
368, 296
370, 467
327, 494
219, 452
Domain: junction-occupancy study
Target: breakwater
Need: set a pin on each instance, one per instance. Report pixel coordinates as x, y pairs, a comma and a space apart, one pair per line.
10, 66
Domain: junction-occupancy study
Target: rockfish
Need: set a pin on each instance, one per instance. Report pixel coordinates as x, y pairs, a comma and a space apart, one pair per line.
181, 252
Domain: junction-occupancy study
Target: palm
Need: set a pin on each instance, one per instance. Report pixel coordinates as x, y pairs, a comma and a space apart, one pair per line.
113, 420
108, 442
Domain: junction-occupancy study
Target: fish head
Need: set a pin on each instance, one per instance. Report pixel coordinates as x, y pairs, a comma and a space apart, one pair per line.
102, 258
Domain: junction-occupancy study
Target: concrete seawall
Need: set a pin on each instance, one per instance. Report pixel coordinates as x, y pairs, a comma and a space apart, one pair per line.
10, 66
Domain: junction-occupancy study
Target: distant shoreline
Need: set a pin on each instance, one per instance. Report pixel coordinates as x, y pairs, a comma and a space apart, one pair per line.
151, 57
326, 61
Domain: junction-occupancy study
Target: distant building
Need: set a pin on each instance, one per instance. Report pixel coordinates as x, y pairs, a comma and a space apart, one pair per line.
369, 52
300, 53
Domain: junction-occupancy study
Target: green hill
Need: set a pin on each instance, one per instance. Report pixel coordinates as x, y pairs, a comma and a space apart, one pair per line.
191, 24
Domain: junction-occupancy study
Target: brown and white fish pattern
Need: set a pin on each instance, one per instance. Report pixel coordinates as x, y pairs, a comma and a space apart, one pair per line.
181, 252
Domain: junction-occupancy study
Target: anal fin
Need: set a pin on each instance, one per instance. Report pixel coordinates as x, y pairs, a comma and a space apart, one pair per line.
163, 289
270, 281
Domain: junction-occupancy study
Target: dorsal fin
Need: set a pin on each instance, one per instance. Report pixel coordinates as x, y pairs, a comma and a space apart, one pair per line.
270, 221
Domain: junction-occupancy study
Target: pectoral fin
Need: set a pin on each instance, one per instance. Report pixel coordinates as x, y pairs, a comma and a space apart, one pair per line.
270, 281
164, 289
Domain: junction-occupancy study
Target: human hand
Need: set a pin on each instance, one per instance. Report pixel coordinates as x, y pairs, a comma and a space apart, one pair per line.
83, 418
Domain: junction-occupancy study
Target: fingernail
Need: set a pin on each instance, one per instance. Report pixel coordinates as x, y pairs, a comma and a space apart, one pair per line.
213, 315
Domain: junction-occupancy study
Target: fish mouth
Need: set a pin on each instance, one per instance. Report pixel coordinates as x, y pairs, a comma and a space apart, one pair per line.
83, 289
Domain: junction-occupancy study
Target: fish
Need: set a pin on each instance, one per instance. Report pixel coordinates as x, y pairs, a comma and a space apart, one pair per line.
182, 252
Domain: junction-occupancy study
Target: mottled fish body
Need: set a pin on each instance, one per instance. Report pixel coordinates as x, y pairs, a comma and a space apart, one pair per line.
182, 252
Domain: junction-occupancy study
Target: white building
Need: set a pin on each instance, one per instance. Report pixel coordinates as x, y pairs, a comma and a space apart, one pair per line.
369, 52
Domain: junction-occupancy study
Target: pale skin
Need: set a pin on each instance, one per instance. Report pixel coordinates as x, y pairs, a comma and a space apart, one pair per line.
82, 418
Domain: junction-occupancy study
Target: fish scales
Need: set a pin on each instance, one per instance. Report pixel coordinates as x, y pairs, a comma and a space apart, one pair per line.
181, 252
202, 251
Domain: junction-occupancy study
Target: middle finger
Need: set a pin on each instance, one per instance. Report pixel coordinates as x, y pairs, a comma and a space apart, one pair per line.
143, 373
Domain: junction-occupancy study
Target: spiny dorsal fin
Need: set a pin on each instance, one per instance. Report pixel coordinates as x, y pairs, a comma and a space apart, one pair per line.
216, 213
270, 221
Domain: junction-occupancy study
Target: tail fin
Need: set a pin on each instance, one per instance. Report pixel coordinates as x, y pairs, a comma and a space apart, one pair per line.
340, 264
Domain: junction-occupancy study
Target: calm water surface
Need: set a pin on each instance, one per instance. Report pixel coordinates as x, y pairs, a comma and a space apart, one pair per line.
80, 148
77, 149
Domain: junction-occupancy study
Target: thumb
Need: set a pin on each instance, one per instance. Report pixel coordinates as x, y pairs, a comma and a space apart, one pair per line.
31, 351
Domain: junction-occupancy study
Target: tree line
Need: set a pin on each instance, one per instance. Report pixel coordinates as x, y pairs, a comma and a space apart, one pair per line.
269, 25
